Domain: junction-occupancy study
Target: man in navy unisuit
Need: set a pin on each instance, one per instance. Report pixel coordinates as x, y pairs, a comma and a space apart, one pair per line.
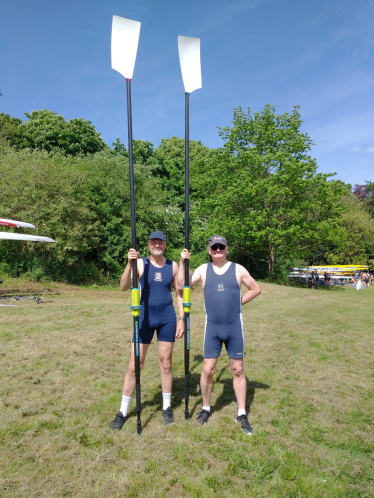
156, 277
222, 281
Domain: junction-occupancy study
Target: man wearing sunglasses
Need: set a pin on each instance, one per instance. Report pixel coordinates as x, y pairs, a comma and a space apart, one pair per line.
156, 277
222, 281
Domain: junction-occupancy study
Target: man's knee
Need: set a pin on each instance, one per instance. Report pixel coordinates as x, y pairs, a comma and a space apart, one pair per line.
237, 370
131, 367
208, 371
165, 363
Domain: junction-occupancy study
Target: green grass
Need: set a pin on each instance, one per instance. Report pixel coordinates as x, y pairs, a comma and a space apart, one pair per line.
309, 365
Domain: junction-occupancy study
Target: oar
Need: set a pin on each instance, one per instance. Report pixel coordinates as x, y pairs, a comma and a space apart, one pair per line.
189, 58
125, 39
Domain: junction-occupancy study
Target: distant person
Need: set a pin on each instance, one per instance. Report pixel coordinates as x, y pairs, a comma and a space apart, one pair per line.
310, 280
316, 280
222, 281
156, 277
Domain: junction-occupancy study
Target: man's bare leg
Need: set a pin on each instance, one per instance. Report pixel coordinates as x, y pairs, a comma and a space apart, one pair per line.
130, 380
239, 382
165, 350
129, 387
240, 388
206, 380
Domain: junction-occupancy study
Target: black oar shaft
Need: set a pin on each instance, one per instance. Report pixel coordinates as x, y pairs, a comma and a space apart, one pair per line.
131, 168
187, 265
134, 262
187, 182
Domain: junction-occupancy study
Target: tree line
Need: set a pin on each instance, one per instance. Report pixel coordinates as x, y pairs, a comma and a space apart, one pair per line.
261, 190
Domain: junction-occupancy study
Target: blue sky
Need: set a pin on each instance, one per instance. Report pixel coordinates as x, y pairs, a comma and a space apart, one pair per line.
317, 54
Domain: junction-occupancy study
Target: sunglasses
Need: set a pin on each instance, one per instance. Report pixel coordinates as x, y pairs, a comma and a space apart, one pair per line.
218, 246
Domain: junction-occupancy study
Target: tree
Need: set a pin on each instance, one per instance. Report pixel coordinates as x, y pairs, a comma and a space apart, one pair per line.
169, 166
361, 192
357, 244
366, 194
9, 129
142, 151
264, 192
48, 131
84, 204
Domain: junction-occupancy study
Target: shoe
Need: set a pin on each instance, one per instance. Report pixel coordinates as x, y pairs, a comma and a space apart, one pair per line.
243, 420
203, 417
118, 421
168, 416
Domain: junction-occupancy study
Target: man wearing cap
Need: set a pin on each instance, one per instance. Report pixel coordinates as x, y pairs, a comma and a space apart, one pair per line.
156, 277
222, 281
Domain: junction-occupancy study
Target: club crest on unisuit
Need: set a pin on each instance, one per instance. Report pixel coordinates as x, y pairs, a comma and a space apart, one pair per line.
158, 276
220, 287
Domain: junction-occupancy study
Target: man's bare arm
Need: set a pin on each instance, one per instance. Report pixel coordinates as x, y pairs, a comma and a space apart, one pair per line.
179, 292
195, 277
249, 282
126, 279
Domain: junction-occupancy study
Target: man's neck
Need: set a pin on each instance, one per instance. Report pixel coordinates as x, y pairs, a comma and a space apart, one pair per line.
159, 260
220, 263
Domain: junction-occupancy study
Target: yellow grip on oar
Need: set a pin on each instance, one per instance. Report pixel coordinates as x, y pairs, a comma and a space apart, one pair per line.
187, 299
135, 302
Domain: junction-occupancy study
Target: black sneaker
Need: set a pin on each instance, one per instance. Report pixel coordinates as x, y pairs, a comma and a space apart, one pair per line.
243, 420
168, 416
203, 416
118, 421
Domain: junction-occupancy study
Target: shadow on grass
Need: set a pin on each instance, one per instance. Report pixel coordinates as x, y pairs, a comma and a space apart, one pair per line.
228, 394
225, 398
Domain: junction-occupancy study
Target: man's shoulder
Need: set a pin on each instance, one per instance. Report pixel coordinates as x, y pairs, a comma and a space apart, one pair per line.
240, 268
202, 268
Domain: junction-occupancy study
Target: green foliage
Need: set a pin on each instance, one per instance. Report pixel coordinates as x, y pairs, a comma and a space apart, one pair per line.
265, 194
261, 190
9, 130
169, 166
356, 246
142, 151
84, 204
50, 132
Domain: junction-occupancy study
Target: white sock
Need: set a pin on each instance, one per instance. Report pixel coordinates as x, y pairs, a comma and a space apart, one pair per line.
206, 408
241, 412
166, 400
125, 403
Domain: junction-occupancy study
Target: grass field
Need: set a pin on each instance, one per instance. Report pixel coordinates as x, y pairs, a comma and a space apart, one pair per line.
309, 365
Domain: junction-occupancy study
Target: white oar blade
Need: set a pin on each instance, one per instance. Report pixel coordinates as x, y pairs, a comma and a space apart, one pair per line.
125, 39
21, 236
14, 223
189, 58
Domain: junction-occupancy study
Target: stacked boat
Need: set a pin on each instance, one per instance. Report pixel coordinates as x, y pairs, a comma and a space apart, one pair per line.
329, 275
20, 236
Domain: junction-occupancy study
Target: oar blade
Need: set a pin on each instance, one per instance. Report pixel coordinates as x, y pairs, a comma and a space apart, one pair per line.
189, 59
125, 39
